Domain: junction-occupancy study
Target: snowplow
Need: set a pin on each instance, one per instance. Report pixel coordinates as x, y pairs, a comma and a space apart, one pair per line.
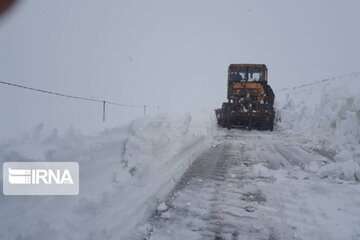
250, 100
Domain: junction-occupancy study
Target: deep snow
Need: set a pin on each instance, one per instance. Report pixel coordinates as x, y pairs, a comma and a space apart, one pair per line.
327, 115
299, 182
124, 173
258, 185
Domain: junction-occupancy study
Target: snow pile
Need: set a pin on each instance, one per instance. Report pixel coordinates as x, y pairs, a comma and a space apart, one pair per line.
124, 174
327, 113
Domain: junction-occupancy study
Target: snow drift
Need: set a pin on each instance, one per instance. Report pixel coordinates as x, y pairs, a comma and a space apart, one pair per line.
124, 174
327, 113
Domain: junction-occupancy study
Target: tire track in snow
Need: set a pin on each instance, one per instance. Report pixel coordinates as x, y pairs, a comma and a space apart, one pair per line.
225, 194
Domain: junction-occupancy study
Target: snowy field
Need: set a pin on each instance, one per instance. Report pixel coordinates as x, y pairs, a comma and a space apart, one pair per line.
298, 182
124, 173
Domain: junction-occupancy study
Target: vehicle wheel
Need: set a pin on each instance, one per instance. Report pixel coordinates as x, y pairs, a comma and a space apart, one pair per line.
271, 125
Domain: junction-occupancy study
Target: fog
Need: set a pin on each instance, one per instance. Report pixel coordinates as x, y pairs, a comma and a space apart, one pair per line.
171, 54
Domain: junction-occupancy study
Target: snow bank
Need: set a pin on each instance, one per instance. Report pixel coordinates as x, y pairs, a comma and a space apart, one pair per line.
124, 173
327, 113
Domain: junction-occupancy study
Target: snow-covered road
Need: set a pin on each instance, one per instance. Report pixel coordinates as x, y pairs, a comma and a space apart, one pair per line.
258, 185
298, 182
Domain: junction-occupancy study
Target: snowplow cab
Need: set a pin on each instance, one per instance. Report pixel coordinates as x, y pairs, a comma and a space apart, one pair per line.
250, 98
246, 79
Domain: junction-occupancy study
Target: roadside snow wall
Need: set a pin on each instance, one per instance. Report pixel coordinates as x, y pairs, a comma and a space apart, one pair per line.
328, 114
124, 173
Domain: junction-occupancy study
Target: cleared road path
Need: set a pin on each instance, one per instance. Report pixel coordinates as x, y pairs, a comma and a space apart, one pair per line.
259, 185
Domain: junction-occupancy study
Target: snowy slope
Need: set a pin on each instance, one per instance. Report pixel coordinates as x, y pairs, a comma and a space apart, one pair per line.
327, 113
124, 173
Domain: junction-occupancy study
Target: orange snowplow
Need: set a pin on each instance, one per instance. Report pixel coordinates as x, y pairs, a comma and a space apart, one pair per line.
250, 99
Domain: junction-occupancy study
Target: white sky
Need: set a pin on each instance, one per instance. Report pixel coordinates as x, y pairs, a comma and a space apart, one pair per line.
169, 53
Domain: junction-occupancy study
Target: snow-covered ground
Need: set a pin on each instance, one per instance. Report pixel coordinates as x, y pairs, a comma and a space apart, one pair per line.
327, 114
298, 182
124, 173
259, 185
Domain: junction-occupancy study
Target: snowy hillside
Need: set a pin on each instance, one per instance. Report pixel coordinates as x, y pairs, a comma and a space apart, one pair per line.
327, 114
124, 173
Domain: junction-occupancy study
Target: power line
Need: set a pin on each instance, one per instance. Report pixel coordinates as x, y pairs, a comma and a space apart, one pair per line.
336, 78
68, 95
89, 99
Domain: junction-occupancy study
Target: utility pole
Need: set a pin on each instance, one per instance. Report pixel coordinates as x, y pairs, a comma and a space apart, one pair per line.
144, 110
104, 102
